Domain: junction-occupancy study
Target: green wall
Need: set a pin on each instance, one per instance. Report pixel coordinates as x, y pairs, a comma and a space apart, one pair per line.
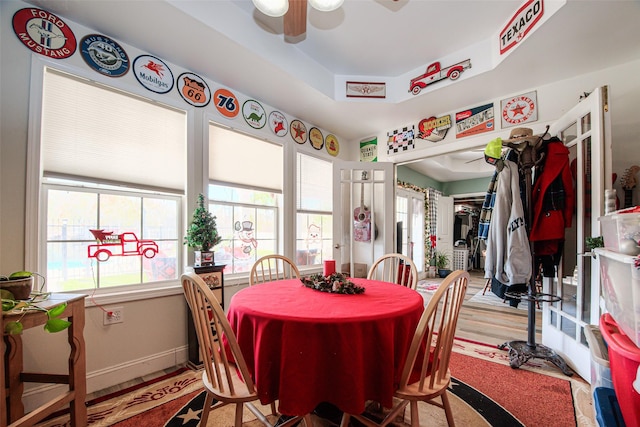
466, 186
404, 174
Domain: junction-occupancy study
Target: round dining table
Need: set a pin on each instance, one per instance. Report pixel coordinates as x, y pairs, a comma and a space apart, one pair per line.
305, 347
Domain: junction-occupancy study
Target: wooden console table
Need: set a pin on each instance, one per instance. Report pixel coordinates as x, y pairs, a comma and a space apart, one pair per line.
13, 377
214, 278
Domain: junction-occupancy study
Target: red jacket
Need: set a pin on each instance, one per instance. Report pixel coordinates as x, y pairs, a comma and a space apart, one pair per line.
552, 213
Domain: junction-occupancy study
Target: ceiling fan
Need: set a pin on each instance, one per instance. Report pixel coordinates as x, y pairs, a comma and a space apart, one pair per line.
294, 12
295, 20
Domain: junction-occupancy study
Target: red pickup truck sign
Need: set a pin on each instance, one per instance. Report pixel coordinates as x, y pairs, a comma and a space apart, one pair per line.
124, 244
435, 73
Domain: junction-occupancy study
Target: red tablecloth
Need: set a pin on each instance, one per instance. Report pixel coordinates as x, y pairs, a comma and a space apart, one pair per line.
305, 347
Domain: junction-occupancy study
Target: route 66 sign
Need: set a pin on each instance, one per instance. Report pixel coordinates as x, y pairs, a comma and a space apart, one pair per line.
193, 89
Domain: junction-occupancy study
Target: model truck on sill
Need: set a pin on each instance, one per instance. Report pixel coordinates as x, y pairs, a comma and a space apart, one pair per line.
124, 244
435, 73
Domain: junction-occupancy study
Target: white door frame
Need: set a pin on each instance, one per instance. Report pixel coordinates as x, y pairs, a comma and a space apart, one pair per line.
563, 325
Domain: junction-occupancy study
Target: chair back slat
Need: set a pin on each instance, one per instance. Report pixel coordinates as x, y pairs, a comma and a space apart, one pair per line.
213, 331
395, 268
270, 268
432, 343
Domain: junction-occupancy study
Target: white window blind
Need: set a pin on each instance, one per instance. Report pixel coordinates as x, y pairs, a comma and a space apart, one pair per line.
239, 159
314, 184
92, 131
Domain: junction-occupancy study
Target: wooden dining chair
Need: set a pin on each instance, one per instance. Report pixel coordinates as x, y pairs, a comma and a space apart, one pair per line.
395, 268
273, 267
226, 379
426, 375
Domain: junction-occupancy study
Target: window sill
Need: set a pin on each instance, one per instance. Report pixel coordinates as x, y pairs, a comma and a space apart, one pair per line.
115, 296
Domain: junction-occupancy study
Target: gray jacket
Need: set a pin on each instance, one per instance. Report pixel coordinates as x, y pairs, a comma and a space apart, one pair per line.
508, 256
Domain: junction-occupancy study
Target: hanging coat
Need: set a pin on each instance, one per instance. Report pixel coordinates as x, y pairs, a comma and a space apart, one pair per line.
553, 200
508, 256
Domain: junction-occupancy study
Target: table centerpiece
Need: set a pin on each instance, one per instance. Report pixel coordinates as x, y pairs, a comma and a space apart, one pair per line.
335, 283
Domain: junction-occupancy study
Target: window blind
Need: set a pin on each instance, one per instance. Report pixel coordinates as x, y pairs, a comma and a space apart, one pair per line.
89, 130
315, 184
236, 158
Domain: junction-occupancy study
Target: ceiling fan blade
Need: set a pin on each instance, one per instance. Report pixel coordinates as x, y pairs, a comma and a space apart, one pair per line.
474, 160
295, 20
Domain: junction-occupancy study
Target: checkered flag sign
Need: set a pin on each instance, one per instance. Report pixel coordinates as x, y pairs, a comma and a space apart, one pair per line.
400, 139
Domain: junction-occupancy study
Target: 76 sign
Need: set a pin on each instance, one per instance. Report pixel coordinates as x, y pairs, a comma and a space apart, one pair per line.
226, 103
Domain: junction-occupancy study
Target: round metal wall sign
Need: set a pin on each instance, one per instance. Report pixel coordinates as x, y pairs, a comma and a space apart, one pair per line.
193, 89
253, 114
278, 123
316, 138
332, 145
104, 55
298, 131
44, 33
153, 73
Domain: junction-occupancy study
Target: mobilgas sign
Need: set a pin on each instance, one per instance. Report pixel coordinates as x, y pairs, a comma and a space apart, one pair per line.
524, 20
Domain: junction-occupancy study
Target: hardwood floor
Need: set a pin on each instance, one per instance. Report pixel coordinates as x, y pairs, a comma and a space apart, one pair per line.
491, 324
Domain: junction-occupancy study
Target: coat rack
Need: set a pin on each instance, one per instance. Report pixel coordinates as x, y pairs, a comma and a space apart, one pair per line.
521, 351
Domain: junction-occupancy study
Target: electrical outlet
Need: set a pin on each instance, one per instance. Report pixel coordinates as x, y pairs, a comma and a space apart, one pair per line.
113, 315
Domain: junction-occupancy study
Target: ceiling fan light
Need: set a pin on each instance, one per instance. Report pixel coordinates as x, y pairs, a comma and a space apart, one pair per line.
325, 5
273, 8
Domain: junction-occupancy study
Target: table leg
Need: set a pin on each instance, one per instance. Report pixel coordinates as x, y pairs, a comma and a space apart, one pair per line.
77, 365
3, 385
15, 386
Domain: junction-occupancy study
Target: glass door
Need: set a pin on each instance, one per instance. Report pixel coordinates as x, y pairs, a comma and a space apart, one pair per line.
585, 131
363, 214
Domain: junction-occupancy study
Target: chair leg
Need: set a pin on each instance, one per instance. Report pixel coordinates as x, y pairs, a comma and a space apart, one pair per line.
447, 409
486, 286
204, 417
273, 408
415, 416
307, 420
239, 408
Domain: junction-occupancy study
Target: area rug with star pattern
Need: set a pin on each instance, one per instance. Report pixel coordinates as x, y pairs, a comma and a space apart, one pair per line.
484, 390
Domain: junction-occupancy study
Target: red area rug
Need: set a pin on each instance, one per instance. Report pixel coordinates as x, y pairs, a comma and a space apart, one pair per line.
534, 399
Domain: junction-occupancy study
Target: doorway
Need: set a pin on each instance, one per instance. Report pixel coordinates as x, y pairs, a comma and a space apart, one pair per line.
410, 226
468, 248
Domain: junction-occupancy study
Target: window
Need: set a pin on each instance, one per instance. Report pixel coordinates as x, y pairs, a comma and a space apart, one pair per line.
104, 160
245, 195
134, 239
247, 222
314, 234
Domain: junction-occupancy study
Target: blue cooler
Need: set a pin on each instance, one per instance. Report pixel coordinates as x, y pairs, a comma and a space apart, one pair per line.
608, 411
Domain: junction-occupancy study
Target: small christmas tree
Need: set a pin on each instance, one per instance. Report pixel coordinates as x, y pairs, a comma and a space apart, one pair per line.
202, 234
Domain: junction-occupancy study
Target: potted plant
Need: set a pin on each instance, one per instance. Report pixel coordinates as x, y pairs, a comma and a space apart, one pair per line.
18, 297
442, 262
202, 234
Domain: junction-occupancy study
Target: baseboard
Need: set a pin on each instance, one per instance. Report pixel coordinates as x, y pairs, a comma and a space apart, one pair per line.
111, 376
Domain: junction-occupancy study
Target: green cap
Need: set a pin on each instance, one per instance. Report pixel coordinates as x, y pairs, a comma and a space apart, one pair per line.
493, 151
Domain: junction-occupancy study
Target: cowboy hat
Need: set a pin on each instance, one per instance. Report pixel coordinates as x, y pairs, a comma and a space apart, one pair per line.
520, 134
